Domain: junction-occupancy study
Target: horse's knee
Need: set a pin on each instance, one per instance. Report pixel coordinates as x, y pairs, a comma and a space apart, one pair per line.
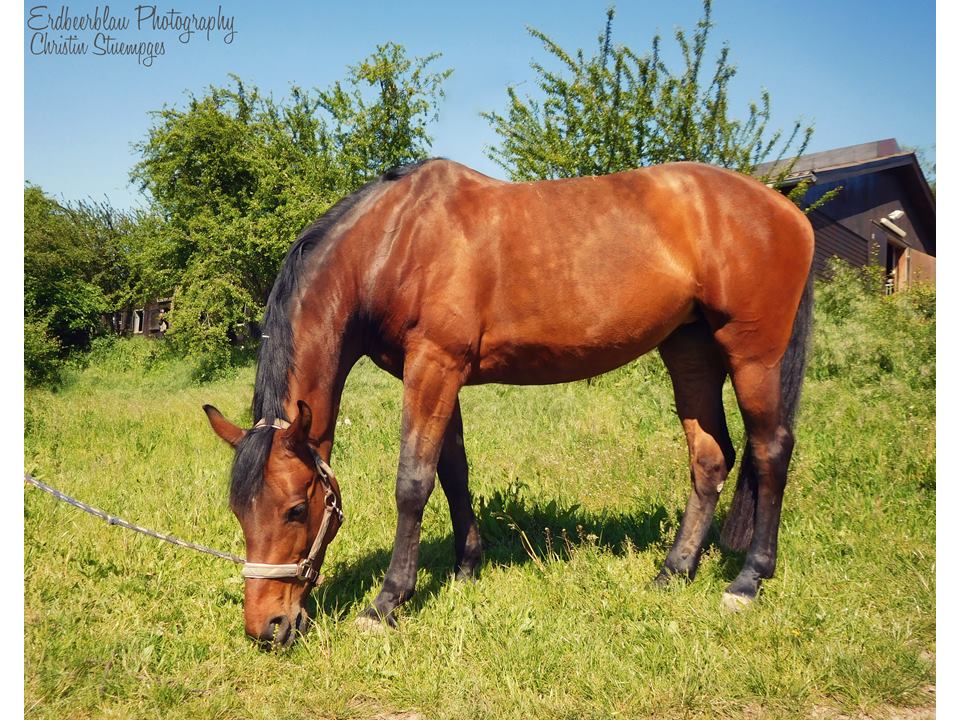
771, 456
413, 491
708, 465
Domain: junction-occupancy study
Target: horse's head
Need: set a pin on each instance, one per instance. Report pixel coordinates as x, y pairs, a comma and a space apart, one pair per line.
288, 504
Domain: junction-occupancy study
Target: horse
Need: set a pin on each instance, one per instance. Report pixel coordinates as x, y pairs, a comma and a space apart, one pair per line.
445, 277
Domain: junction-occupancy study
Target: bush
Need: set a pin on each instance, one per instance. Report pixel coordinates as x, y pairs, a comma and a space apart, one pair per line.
113, 354
74, 268
619, 109
864, 337
41, 354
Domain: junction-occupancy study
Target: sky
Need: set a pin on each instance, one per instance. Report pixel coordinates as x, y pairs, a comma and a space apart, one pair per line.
858, 70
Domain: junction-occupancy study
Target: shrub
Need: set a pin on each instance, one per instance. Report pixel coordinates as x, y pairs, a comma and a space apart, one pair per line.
864, 337
236, 176
41, 353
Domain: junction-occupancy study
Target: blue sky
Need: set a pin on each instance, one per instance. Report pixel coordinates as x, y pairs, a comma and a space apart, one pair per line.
858, 70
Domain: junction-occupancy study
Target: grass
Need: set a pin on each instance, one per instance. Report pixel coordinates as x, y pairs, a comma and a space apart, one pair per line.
578, 488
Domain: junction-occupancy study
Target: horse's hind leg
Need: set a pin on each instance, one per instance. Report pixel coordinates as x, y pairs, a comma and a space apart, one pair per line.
452, 471
770, 444
697, 371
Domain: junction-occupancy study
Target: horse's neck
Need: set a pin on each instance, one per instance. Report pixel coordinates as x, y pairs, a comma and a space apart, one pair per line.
325, 349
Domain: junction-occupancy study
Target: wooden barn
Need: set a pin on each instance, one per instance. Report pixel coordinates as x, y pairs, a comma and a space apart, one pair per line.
884, 214
149, 321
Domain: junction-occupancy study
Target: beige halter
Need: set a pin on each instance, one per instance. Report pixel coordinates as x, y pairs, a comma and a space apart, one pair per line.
303, 570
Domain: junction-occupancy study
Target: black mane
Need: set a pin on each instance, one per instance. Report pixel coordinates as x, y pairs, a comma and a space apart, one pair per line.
275, 356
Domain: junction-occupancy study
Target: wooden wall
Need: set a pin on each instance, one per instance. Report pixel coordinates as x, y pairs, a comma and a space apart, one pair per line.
833, 239
846, 226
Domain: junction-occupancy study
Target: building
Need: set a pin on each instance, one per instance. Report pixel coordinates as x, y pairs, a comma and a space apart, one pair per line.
884, 214
149, 321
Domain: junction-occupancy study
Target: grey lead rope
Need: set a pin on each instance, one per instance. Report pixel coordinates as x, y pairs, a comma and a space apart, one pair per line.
113, 520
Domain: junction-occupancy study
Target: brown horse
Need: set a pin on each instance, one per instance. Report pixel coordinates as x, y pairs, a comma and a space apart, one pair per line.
445, 277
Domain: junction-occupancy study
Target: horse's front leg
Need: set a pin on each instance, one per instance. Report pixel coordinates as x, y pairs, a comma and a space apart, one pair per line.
431, 381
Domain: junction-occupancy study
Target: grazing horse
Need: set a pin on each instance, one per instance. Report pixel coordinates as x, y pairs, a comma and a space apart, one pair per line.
445, 277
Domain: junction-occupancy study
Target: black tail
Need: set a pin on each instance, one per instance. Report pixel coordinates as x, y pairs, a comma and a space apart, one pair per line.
738, 528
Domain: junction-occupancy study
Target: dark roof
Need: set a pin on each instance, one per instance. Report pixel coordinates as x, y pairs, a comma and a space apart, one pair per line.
831, 166
837, 159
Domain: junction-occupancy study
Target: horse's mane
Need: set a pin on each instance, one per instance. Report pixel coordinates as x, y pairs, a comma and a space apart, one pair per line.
275, 356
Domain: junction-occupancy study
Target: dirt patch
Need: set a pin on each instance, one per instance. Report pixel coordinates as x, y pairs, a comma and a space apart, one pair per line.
888, 712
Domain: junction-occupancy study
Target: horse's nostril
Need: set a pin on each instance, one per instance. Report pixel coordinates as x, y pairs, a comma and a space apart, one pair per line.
301, 622
275, 632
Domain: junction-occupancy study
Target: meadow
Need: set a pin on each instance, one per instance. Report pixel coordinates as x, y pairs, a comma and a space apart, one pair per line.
578, 489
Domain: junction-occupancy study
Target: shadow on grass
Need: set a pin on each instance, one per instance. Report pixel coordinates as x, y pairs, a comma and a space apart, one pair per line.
515, 530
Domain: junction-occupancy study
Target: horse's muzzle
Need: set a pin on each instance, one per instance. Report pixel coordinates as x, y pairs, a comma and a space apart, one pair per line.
281, 631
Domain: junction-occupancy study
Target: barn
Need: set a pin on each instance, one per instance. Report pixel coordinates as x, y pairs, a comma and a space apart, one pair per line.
885, 212
149, 320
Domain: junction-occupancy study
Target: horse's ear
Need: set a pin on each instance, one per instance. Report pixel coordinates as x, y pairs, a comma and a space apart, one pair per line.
298, 433
223, 427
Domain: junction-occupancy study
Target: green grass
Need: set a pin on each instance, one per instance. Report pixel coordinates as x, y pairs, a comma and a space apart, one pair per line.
578, 489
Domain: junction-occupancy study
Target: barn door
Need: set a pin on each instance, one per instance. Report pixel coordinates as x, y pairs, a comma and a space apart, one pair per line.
914, 266
895, 278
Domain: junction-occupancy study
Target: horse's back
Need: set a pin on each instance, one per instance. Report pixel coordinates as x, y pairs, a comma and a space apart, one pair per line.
554, 280
685, 220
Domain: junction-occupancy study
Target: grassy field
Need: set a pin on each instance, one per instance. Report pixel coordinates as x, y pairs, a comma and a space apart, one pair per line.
578, 489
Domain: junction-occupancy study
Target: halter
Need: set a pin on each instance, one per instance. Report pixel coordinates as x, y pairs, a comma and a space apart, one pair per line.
303, 570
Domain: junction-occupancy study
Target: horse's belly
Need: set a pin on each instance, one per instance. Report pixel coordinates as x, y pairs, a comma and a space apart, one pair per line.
544, 365
537, 353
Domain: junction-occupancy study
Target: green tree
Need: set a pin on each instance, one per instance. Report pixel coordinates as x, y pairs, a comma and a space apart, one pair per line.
619, 109
60, 262
235, 176
76, 265
369, 137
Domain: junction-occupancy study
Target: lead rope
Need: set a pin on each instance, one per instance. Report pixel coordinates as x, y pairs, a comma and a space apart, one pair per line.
303, 570
114, 520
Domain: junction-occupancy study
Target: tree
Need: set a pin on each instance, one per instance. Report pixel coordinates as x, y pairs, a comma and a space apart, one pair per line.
369, 138
57, 265
619, 110
235, 176
76, 266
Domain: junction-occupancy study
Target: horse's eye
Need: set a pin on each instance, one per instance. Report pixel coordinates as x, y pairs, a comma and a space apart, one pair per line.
298, 513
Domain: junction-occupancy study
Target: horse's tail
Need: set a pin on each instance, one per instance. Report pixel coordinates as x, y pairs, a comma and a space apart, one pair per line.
738, 528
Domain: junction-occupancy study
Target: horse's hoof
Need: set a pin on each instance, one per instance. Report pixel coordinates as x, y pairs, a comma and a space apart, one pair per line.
465, 578
663, 580
668, 578
465, 575
731, 602
370, 625
372, 621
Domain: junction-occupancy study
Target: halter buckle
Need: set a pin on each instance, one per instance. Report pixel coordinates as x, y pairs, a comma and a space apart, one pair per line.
306, 572
331, 504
